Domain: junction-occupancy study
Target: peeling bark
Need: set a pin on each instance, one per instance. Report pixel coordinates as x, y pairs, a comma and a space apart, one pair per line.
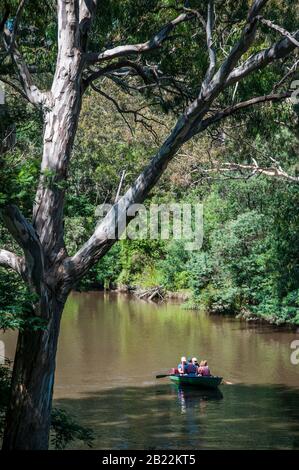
60, 125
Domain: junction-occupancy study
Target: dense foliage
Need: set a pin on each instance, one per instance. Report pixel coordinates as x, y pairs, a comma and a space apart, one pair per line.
249, 260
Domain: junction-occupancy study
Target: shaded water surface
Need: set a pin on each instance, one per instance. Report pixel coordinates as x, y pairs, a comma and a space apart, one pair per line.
111, 347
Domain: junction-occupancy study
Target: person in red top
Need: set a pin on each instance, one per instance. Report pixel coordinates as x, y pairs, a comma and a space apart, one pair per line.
203, 369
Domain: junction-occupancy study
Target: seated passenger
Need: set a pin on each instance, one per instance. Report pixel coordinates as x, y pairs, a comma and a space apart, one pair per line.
182, 365
195, 361
203, 369
191, 367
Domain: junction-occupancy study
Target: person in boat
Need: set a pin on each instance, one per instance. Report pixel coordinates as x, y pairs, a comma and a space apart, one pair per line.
182, 367
191, 367
195, 361
204, 369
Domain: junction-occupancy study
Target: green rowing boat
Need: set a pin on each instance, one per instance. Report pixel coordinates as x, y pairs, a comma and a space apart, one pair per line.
212, 381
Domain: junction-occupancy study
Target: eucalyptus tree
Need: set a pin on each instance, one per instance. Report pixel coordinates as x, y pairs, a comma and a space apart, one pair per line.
45, 265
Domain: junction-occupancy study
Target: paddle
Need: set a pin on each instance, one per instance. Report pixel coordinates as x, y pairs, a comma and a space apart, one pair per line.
161, 376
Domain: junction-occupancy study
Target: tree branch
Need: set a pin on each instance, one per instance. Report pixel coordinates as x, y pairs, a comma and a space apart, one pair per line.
289, 73
131, 49
231, 110
245, 41
15, 87
255, 170
124, 65
261, 59
16, 25
12, 261
26, 237
87, 10
138, 116
211, 49
281, 30
33, 94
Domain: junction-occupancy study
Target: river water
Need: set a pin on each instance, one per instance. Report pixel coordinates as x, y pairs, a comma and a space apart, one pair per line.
112, 346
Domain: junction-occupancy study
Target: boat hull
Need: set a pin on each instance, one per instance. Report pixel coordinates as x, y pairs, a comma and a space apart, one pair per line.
196, 381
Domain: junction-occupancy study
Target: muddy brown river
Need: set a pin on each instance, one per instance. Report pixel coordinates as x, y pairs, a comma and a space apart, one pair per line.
112, 346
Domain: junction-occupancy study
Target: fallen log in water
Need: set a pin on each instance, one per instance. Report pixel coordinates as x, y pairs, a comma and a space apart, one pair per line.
153, 293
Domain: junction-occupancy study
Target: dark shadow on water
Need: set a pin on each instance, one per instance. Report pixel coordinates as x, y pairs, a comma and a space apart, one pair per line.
169, 417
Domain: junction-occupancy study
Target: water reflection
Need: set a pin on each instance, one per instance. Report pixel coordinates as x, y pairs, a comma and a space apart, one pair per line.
193, 399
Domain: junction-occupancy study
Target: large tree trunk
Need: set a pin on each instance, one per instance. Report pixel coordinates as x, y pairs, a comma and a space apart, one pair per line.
29, 413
